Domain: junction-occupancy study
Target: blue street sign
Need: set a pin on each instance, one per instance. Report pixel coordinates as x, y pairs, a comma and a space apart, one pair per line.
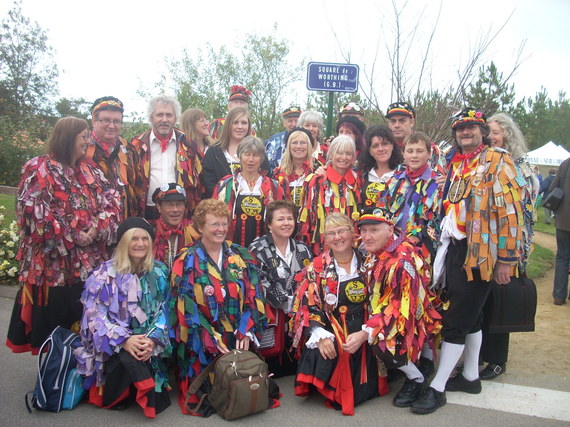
332, 77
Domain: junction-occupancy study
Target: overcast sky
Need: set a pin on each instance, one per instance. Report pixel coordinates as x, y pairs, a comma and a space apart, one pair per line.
113, 47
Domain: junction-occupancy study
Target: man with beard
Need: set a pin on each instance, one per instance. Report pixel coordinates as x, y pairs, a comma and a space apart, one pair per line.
480, 236
111, 153
164, 155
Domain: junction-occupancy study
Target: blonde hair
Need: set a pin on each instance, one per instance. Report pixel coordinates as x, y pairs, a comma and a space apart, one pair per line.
188, 120
287, 164
337, 219
121, 259
342, 144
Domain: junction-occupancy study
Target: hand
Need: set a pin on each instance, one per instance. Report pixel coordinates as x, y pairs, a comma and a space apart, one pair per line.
440, 180
83, 239
92, 232
140, 347
502, 275
354, 341
243, 344
414, 239
326, 348
320, 171
222, 348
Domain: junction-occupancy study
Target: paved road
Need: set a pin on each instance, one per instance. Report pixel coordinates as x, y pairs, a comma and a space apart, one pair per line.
499, 404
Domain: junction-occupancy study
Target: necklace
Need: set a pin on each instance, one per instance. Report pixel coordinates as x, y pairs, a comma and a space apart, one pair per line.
343, 262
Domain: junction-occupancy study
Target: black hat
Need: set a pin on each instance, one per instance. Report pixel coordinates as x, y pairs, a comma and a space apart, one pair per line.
107, 103
351, 119
402, 108
375, 215
468, 116
298, 129
292, 111
170, 191
351, 108
134, 222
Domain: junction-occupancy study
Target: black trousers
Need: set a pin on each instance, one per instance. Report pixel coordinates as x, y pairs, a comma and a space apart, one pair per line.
495, 348
466, 298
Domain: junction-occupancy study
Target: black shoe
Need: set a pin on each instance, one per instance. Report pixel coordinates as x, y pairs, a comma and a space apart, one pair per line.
429, 401
408, 393
459, 383
426, 367
492, 371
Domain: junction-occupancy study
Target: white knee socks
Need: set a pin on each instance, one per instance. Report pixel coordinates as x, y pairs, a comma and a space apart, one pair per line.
412, 372
448, 358
471, 359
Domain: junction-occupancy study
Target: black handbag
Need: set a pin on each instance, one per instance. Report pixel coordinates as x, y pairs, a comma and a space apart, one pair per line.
511, 307
554, 199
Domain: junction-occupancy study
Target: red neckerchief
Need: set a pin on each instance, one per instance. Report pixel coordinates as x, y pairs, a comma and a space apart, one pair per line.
337, 178
459, 157
164, 141
105, 146
163, 233
306, 169
413, 175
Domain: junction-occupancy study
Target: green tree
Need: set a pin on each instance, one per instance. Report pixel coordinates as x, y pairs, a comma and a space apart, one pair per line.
28, 74
76, 107
490, 92
202, 79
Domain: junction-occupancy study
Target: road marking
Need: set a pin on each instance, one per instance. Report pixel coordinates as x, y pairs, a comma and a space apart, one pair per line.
516, 399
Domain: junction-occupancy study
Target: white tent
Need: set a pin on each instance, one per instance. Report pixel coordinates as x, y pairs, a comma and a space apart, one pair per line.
550, 154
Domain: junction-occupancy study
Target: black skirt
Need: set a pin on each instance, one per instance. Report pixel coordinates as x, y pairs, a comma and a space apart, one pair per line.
63, 309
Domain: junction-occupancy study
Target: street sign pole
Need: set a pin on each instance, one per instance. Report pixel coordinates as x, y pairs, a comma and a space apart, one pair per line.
330, 115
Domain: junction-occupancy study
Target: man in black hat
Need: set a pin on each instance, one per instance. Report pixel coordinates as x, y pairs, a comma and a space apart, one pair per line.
111, 153
275, 145
401, 119
173, 230
480, 236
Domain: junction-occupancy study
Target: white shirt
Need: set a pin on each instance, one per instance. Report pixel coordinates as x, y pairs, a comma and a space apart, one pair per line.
162, 165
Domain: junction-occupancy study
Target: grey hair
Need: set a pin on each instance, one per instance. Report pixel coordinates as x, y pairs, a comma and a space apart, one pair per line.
515, 143
164, 100
312, 116
251, 144
341, 143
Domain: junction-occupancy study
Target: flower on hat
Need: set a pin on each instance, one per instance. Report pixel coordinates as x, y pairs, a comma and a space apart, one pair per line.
240, 89
471, 113
478, 114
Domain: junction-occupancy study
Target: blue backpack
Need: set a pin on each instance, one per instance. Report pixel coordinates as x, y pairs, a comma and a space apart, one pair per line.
58, 386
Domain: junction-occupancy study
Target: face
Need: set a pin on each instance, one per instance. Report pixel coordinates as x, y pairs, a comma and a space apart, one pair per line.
250, 161
313, 128
339, 238
469, 137
80, 146
171, 211
139, 246
401, 126
497, 135
381, 149
282, 224
342, 160
416, 155
215, 230
107, 125
298, 147
163, 119
237, 103
375, 236
239, 128
201, 127
344, 130
289, 123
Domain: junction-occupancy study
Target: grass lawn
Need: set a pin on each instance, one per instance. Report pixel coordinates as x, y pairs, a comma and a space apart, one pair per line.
539, 224
541, 261
8, 201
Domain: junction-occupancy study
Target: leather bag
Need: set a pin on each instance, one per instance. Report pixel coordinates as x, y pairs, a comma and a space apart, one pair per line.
240, 386
513, 306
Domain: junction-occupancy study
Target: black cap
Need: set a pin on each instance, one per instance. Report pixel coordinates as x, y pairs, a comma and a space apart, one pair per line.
134, 222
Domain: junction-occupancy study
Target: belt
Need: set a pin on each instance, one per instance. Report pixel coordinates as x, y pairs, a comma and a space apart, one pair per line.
455, 242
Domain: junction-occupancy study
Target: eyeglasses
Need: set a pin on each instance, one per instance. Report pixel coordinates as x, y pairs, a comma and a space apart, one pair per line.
107, 122
218, 225
340, 232
298, 143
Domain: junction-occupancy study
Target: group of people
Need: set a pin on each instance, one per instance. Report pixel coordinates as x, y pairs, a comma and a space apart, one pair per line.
337, 259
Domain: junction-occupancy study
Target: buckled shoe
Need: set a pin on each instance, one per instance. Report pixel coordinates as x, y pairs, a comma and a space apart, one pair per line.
492, 371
